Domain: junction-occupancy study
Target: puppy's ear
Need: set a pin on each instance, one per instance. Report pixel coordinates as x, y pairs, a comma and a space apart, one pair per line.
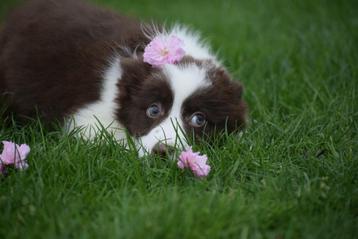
135, 70
222, 79
228, 95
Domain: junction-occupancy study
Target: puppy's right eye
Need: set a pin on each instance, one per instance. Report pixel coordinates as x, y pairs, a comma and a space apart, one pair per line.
197, 120
155, 110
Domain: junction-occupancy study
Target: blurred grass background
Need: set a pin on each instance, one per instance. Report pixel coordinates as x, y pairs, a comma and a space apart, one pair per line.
293, 173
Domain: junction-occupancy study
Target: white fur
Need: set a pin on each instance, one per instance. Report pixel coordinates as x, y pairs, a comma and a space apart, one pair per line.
193, 45
100, 114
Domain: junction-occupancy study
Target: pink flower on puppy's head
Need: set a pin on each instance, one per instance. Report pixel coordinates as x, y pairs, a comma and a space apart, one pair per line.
196, 162
14, 154
164, 50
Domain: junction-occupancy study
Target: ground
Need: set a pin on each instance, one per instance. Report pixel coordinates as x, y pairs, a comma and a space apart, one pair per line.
291, 174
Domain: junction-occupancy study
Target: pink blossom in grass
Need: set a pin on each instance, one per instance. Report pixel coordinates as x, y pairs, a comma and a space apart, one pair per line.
164, 50
14, 154
196, 162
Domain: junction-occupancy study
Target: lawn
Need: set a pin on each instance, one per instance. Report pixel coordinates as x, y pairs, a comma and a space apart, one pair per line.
293, 173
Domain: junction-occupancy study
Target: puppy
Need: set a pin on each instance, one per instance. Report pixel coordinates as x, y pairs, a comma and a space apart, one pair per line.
72, 62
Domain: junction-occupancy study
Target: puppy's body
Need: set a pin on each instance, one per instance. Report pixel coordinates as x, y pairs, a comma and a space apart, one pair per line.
54, 54
76, 63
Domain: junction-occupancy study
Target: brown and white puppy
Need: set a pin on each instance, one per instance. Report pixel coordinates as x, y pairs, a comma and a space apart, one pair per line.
73, 62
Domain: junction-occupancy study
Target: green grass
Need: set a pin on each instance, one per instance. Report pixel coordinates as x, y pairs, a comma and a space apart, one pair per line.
292, 174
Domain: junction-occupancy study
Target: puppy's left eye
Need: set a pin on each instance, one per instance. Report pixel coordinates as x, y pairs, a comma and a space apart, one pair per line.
197, 120
154, 111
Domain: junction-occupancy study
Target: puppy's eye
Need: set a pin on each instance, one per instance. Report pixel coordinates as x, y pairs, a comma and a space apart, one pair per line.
197, 120
155, 110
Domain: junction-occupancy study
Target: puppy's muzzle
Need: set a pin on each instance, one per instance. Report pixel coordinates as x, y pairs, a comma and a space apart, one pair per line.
163, 150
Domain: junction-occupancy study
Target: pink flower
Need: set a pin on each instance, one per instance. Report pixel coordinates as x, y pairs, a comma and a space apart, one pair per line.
194, 161
164, 50
14, 154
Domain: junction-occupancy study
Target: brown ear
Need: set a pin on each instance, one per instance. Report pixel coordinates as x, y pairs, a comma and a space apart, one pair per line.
219, 74
135, 71
229, 92
240, 109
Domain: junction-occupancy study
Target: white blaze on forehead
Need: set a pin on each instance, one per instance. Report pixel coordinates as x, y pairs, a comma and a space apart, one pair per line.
184, 81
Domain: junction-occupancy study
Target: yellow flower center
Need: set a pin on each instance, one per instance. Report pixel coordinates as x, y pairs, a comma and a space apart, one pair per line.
164, 52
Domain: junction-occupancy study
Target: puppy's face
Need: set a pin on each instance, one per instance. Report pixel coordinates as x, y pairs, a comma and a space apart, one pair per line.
161, 106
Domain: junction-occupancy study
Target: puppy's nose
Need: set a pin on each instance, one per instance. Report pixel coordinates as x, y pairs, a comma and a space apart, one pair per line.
163, 150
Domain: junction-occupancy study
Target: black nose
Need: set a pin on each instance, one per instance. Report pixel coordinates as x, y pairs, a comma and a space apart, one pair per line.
163, 150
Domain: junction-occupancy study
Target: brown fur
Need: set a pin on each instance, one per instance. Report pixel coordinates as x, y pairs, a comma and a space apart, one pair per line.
53, 52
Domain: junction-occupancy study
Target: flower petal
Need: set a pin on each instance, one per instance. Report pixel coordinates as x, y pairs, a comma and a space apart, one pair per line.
181, 164
9, 154
22, 165
14, 154
24, 151
163, 50
196, 162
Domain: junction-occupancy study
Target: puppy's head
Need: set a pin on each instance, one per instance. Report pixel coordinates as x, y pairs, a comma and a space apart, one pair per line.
160, 106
